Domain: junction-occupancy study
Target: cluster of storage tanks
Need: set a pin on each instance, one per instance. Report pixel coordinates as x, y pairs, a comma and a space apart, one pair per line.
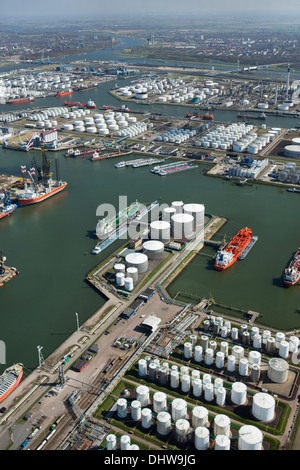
176, 136
174, 416
170, 90
180, 221
293, 150
48, 117
253, 171
34, 84
123, 443
290, 173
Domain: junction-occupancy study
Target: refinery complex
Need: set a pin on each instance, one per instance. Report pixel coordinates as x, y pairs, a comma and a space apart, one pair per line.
144, 191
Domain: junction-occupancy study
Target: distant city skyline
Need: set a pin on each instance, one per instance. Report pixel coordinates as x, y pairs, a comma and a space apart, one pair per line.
77, 8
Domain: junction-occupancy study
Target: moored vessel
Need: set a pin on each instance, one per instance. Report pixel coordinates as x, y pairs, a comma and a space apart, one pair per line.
77, 153
64, 93
292, 272
228, 255
6, 207
10, 379
21, 100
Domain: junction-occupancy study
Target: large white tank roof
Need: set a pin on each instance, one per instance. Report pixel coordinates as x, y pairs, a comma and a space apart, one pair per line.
136, 258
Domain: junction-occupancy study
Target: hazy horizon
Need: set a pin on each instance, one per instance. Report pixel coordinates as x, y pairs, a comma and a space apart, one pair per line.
72, 9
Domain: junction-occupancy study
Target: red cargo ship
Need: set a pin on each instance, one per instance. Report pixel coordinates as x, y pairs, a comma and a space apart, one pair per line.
292, 272
10, 379
228, 255
63, 93
22, 100
89, 104
206, 117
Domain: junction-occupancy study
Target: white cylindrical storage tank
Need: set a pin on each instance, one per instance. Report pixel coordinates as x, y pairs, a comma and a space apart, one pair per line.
265, 336
280, 336
154, 249
209, 392
238, 352
185, 383
231, 363
160, 230
122, 407
199, 416
221, 425
204, 341
188, 350
224, 347
222, 442
174, 379
250, 438
234, 333
137, 260
224, 332
209, 356
278, 370
152, 371
178, 409
128, 283
182, 427
120, 278
159, 402
146, 418
257, 341
195, 374
244, 366
218, 382
284, 349
198, 353
182, 226
198, 212
254, 357
238, 393
111, 440
143, 395
221, 396
178, 206
136, 410
142, 367
201, 438
206, 379
167, 213
133, 273
163, 423
220, 358
263, 406
125, 442
293, 344
197, 387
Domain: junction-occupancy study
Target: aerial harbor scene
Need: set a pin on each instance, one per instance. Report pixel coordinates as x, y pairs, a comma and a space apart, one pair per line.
149, 228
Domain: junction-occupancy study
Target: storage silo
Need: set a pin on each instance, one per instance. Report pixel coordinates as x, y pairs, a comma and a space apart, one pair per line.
197, 211
278, 370
280, 336
284, 349
146, 418
174, 379
222, 442
257, 341
143, 395
254, 357
163, 423
182, 427
187, 350
243, 366
194, 339
152, 371
182, 226
125, 442
195, 375
136, 410
178, 409
204, 341
238, 352
133, 273
178, 206
122, 407
293, 344
263, 406
209, 392
231, 361
224, 347
142, 367
250, 438
234, 333
163, 375
197, 387
220, 358
266, 334
159, 402
160, 230
238, 393
255, 373
201, 438
185, 383
221, 425
199, 416
137, 260
154, 249
209, 357
221, 396
198, 353
111, 440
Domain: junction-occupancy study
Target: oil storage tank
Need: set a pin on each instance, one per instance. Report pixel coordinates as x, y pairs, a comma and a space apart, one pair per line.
183, 226
263, 406
137, 260
197, 211
154, 249
278, 370
250, 438
160, 230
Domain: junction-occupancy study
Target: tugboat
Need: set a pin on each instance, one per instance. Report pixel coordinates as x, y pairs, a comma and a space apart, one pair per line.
6, 207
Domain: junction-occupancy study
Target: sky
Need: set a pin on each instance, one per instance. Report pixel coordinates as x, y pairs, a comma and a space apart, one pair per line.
71, 8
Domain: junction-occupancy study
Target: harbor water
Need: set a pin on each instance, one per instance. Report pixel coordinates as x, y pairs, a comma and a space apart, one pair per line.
50, 243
